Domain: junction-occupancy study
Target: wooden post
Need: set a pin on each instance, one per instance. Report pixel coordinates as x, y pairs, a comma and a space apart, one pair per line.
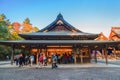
103, 55
114, 52
37, 56
74, 52
29, 49
106, 55
89, 52
46, 51
95, 56
81, 56
96, 47
75, 58
12, 54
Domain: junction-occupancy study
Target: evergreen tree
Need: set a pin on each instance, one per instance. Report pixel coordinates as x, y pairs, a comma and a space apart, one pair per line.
27, 21
2, 17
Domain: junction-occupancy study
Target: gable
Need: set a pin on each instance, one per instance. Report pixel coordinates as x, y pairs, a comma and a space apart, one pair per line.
115, 33
59, 25
101, 37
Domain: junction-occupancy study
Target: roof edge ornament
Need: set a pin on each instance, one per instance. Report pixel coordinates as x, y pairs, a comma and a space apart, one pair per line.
60, 16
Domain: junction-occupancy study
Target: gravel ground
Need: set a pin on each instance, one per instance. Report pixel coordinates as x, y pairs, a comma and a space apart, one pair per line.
94, 73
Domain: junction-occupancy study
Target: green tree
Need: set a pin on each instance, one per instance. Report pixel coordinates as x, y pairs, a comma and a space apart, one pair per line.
2, 17
4, 32
6, 35
4, 51
7, 22
27, 21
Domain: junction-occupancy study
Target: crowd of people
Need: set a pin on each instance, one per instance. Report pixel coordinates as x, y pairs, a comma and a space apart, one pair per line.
56, 59
24, 60
64, 58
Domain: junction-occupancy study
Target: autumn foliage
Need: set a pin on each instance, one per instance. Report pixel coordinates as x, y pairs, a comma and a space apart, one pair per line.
27, 28
21, 28
10, 31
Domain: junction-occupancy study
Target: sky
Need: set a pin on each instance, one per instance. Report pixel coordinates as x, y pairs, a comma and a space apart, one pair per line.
93, 16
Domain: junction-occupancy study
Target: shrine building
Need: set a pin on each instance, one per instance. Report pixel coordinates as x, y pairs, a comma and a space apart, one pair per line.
60, 38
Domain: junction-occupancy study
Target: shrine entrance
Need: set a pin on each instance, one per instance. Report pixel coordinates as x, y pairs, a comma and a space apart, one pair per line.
60, 51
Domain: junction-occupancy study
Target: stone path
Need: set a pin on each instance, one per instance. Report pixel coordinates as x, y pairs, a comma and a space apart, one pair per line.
99, 71
95, 73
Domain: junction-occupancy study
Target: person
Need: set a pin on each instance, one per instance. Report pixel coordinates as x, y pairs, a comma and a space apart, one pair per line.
26, 60
58, 58
54, 61
17, 59
20, 61
45, 60
41, 60
7, 57
31, 60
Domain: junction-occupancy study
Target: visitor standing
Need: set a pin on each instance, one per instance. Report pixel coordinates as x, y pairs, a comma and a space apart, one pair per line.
45, 60
31, 60
41, 60
54, 61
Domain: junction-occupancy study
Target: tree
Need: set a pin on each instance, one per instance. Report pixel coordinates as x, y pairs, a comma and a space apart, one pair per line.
2, 17
4, 35
4, 28
27, 26
4, 32
7, 22
5, 51
27, 21
35, 29
16, 26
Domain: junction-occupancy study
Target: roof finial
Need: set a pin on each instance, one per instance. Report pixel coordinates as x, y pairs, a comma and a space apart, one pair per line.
60, 16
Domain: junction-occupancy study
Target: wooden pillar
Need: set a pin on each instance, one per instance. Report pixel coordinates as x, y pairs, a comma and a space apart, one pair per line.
12, 54
75, 58
46, 51
96, 48
37, 56
40, 51
103, 55
74, 52
95, 56
106, 55
114, 52
81, 56
30, 49
89, 52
